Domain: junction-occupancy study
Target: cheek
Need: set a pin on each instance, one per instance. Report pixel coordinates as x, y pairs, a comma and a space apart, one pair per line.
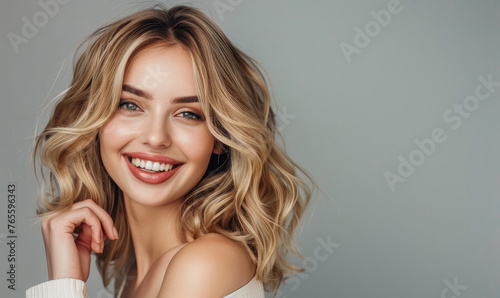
113, 135
197, 146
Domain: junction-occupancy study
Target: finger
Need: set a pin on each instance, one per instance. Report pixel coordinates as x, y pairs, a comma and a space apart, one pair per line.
106, 220
84, 238
91, 228
91, 224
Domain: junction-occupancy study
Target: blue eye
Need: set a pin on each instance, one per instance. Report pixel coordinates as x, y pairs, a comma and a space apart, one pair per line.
127, 105
190, 115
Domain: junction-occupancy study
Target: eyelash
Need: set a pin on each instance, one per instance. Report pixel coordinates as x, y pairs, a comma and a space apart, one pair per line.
191, 115
123, 104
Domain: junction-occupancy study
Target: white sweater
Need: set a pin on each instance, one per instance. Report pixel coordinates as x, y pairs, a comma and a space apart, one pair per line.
75, 288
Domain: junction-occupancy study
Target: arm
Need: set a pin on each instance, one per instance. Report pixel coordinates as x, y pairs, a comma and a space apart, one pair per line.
210, 266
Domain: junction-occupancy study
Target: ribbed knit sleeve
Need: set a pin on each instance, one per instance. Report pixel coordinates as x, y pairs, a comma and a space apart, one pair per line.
59, 288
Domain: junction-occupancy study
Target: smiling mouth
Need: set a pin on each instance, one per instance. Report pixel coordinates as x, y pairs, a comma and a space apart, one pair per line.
152, 166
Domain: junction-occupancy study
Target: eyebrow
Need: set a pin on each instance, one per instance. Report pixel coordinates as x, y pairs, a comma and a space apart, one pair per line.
138, 92
185, 99
148, 96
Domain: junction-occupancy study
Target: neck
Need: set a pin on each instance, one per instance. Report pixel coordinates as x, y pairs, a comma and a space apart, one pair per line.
154, 231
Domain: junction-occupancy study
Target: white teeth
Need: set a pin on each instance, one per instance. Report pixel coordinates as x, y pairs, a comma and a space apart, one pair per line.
150, 165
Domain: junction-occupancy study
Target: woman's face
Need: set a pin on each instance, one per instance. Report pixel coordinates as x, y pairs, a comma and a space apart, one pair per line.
157, 145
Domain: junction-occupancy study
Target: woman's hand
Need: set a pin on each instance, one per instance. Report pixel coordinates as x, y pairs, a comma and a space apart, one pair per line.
68, 257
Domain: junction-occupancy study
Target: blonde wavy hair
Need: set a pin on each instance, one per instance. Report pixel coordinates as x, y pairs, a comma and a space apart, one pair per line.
255, 197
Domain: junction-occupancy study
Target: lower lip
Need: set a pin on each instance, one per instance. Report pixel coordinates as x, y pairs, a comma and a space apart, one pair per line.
151, 178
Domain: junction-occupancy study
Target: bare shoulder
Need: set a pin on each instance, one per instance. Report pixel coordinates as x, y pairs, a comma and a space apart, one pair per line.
210, 266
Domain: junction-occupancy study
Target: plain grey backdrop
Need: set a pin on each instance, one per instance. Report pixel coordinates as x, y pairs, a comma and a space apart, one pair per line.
392, 106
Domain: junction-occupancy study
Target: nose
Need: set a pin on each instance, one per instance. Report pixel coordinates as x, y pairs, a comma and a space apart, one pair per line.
156, 132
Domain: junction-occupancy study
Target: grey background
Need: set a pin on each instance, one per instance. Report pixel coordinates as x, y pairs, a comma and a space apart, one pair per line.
346, 123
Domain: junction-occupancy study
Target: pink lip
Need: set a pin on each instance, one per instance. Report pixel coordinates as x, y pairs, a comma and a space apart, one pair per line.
151, 178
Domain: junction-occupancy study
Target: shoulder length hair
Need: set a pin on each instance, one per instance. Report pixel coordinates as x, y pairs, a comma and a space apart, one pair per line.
255, 197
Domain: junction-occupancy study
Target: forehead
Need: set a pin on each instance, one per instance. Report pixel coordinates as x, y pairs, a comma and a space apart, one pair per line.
161, 69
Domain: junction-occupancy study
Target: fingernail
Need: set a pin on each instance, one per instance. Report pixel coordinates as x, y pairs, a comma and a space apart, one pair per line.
102, 247
115, 232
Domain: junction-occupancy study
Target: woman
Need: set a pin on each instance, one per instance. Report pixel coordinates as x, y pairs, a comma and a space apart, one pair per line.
163, 162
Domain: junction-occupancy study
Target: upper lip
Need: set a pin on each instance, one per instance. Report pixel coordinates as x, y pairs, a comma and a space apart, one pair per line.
152, 157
